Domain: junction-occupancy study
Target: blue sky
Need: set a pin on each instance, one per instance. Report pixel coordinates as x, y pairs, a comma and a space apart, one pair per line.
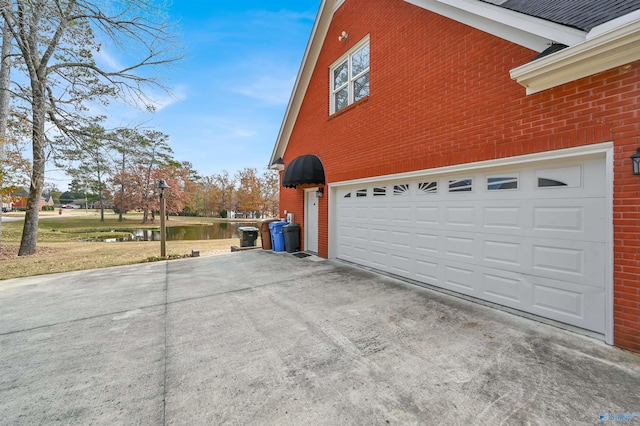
234, 85
231, 90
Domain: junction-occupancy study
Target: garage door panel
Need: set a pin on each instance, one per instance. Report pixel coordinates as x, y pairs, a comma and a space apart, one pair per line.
360, 234
462, 279
503, 253
460, 247
400, 215
379, 214
361, 255
429, 215
426, 243
571, 261
568, 302
503, 288
379, 235
570, 219
401, 264
502, 217
401, 239
378, 259
429, 270
511, 241
361, 213
460, 216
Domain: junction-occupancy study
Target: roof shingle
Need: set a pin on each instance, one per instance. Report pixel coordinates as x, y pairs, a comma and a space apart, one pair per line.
580, 14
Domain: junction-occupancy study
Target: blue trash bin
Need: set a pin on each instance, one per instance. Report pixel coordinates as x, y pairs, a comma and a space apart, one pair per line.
277, 236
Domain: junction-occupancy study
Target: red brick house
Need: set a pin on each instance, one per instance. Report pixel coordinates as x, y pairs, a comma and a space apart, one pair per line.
20, 200
478, 147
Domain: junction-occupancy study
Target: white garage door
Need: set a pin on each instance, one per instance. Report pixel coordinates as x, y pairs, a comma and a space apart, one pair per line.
532, 238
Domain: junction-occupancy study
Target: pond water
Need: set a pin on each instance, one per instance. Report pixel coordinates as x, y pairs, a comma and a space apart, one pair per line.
214, 231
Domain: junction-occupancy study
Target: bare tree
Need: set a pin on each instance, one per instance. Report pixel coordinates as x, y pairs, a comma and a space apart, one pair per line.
270, 183
57, 42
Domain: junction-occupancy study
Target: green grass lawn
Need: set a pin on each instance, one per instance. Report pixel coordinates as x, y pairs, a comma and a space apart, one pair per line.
62, 244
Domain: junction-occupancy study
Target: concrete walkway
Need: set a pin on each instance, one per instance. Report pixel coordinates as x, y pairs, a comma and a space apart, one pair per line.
266, 338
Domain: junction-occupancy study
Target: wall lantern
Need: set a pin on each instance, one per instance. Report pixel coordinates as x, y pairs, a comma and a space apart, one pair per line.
320, 193
635, 162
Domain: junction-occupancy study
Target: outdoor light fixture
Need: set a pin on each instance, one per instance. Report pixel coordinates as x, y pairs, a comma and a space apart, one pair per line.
162, 185
343, 36
278, 164
635, 162
320, 193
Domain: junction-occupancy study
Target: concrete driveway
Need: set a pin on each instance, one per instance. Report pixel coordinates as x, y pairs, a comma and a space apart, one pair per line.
266, 338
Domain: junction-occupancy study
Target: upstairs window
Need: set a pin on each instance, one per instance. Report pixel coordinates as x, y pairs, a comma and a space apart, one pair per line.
350, 77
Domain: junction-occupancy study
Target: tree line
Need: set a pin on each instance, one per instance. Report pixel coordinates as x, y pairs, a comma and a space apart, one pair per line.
123, 169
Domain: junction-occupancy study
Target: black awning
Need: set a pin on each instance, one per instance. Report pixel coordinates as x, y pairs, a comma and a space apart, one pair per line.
306, 169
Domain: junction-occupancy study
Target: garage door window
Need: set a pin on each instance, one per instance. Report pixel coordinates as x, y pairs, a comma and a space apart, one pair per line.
461, 185
379, 191
428, 187
361, 193
500, 183
402, 189
566, 177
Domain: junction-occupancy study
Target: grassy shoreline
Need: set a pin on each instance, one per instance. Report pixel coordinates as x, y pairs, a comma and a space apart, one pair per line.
60, 248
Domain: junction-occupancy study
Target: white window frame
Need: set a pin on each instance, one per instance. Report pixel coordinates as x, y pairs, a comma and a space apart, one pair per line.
351, 78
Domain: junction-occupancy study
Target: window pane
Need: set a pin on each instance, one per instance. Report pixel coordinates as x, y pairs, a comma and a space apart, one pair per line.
460, 185
360, 60
428, 187
499, 183
361, 87
342, 99
402, 189
548, 183
340, 75
379, 191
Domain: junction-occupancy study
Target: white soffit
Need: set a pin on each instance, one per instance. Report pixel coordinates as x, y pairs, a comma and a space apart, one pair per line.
533, 33
600, 52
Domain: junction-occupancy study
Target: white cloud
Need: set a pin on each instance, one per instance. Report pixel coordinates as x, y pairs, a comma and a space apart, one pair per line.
107, 60
267, 89
161, 100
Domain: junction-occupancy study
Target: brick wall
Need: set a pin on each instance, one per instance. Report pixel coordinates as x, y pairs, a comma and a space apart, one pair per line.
440, 94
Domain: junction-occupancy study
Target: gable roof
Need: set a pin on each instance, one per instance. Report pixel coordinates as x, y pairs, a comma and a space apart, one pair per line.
600, 35
581, 14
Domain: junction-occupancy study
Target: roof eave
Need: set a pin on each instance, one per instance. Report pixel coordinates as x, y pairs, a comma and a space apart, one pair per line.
528, 31
600, 52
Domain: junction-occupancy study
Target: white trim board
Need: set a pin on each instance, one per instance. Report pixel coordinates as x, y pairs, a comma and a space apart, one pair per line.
601, 52
528, 31
500, 162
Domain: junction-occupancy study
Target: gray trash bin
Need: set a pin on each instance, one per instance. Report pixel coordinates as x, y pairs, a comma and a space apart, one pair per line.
248, 236
291, 237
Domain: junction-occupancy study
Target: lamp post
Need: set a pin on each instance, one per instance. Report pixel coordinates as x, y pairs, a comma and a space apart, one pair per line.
162, 185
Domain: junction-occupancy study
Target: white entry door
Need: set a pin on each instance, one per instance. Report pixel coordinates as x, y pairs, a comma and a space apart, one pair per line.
530, 238
311, 220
